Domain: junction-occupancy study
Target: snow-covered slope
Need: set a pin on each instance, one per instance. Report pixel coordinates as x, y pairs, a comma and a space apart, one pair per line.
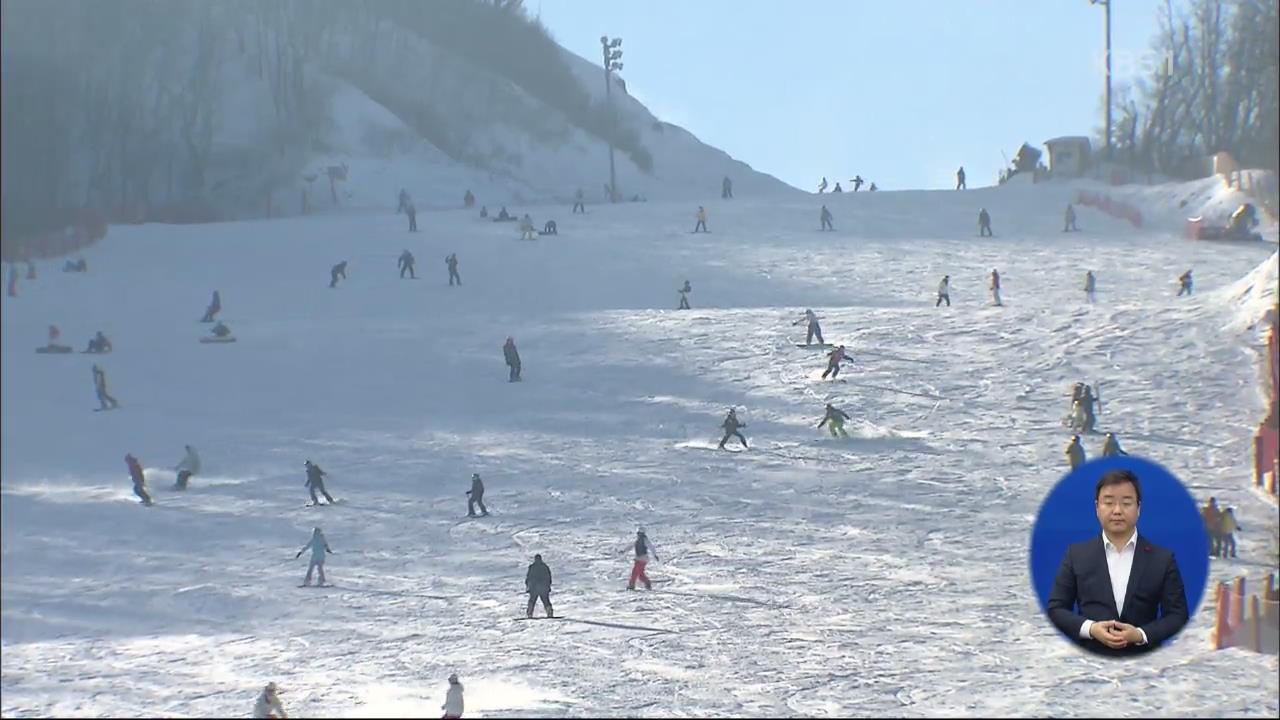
883, 574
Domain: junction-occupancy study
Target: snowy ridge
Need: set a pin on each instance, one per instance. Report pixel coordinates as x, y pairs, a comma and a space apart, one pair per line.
807, 575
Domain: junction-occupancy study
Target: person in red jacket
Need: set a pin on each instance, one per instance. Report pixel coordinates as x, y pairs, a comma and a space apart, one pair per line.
643, 550
834, 358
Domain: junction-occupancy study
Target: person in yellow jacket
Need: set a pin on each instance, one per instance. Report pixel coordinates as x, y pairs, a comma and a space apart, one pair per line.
1227, 527
702, 220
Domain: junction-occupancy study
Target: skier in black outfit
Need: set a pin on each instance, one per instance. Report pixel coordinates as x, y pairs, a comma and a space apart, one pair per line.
960, 179
339, 270
214, 306
857, 182
100, 387
684, 296
825, 217
315, 482
512, 356
731, 426
406, 265
537, 582
475, 496
452, 261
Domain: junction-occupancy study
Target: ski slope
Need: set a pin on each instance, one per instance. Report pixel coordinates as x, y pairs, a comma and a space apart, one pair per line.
882, 574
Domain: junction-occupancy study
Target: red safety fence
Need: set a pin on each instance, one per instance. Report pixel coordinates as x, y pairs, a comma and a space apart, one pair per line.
1248, 621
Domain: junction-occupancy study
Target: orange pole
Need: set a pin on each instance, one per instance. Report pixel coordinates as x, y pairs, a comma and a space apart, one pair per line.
1257, 624
1237, 604
1220, 629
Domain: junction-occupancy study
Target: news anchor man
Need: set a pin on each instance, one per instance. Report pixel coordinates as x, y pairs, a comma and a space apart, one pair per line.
1118, 594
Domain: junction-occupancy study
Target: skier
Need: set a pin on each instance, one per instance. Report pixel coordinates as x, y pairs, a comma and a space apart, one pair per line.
834, 358
468, 200
726, 188
643, 549
215, 305
339, 270
526, 227
684, 295
315, 482
578, 207
834, 420
1184, 283
452, 706
814, 329
984, 223
837, 188
944, 291
512, 357
731, 427
537, 582
1227, 527
100, 387
1111, 447
1075, 453
1212, 517
475, 496
1090, 286
412, 212
406, 262
404, 201
857, 182
825, 217
1069, 220
822, 186
268, 704
189, 466
702, 220
318, 546
139, 480
99, 344
452, 261
960, 179
995, 287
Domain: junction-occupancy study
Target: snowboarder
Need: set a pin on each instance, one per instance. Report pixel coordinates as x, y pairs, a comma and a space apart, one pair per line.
1111, 446
578, 207
503, 215
960, 179
1184, 283
550, 228
1227, 527
834, 358
318, 546
452, 261
702, 220
475, 496
189, 466
834, 420
643, 549
1069, 220
412, 212
1090, 286
215, 305
268, 704
337, 271
452, 706
873, 188
822, 186
526, 227
468, 200
995, 287
512, 356
726, 188
684, 295
404, 201
315, 483
825, 218
537, 582
814, 329
99, 344
139, 480
837, 188
405, 262
944, 291
1074, 452
77, 266
221, 331
731, 428
1212, 517
857, 182
984, 223
100, 387
484, 211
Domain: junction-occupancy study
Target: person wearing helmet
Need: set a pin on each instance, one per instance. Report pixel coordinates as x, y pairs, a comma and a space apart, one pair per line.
643, 548
731, 427
268, 704
1075, 453
475, 496
834, 420
452, 706
537, 582
834, 358
1111, 446
513, 359
318, 547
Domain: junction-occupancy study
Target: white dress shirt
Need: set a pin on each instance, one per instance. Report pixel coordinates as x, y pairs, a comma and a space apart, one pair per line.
1119, 567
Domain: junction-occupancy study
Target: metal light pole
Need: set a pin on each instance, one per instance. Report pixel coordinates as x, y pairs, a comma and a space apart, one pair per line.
611, 52
1106, 4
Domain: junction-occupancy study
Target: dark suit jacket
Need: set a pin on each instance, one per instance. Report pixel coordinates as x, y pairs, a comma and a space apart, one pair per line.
1155, 600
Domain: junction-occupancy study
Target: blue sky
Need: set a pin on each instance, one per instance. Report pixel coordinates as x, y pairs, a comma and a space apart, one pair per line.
902, 92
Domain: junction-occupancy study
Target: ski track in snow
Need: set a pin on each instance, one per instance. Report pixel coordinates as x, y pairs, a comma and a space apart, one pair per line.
884, 573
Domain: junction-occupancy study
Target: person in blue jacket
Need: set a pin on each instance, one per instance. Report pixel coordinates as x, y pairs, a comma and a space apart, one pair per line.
318, 546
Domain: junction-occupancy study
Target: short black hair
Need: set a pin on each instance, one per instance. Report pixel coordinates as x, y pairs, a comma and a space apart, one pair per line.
1117, 477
